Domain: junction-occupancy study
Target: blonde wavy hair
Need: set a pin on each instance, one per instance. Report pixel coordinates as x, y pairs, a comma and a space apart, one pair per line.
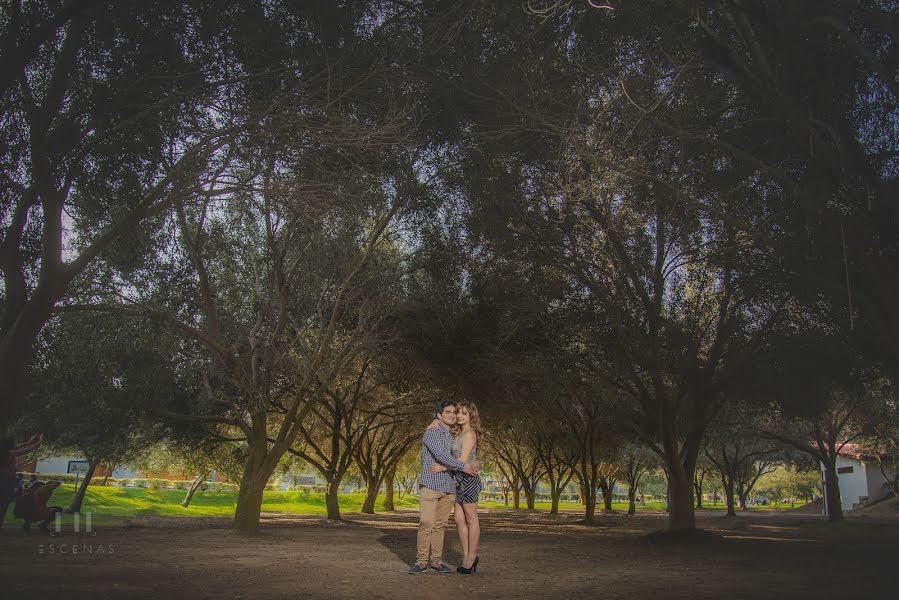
474, 418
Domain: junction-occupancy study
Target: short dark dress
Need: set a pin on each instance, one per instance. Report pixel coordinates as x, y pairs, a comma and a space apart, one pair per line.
468, 487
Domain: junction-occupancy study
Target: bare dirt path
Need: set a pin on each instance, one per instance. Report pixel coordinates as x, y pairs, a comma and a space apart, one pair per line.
524, 555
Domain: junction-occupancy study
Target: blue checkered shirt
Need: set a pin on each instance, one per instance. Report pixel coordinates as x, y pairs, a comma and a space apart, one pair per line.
437, 447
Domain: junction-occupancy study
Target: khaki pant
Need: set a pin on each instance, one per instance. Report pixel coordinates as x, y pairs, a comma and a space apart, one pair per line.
435, 508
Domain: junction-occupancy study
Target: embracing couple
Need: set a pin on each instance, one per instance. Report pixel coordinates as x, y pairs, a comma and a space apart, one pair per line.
449, 480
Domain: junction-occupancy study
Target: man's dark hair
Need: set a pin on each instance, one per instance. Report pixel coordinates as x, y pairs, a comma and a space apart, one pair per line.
444, 403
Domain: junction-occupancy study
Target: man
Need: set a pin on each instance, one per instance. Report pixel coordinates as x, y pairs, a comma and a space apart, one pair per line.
437, 490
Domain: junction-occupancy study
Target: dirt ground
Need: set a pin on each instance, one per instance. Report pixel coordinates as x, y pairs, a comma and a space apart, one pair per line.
523, 555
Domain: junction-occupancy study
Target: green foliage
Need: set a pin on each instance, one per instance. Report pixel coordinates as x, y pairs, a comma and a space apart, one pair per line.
790, 484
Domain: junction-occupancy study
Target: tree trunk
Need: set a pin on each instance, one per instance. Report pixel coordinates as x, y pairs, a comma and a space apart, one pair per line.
388, 491
197, 482
697, 488
249, 506
681, 515
729, 499
631, 501
530, 495
75, 506
556, 496
258, 468
590, 504
892, 483
516, 495
606, 487
107, 475
331, 500
371, 496
832, 491
741, 498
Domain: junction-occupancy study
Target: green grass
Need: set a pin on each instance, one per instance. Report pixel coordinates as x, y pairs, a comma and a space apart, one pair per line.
105, 503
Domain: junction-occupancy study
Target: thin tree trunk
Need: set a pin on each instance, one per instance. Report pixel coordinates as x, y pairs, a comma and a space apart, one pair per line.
371, 496
590, 504
388, 491
606, 487
331, 500
75, 506
197, 482
631, 501
516, 495
107, 475
892, 483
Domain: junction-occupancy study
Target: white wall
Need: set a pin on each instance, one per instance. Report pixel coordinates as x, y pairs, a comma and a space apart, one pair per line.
55, 464
877, 486
60, 464
852, 485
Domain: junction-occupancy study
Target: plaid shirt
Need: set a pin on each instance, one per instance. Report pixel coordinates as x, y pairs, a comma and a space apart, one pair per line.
437, 448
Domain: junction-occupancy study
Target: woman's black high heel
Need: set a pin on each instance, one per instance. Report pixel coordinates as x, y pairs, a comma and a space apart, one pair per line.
473, 569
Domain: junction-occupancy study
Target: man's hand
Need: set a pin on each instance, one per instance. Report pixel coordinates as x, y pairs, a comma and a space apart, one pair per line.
437, 468
472, 468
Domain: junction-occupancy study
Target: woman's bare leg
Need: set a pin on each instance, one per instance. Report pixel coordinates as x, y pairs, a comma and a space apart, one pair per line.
474, 532
462, 529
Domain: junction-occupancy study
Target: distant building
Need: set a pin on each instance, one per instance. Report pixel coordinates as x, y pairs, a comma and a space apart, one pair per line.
56, 465
74, 465
860, 479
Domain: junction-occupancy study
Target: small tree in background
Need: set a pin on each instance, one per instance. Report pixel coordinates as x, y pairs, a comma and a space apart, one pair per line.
101, 375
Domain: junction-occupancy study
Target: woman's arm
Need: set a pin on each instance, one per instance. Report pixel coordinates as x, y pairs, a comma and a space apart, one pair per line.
467, 446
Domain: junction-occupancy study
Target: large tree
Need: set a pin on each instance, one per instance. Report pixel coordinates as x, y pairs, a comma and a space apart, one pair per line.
111, 112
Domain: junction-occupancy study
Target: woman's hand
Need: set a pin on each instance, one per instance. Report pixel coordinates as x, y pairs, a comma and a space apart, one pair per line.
436, 468
434, 424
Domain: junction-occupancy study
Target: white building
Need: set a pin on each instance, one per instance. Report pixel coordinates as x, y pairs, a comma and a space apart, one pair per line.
75, 464
860, 479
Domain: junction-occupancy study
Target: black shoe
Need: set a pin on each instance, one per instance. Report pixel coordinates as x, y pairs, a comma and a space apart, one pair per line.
464, 571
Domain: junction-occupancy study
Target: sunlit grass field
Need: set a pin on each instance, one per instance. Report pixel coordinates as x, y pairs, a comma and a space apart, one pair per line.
105, 503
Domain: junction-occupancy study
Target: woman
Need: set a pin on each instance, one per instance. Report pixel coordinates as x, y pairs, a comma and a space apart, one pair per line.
468, 487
